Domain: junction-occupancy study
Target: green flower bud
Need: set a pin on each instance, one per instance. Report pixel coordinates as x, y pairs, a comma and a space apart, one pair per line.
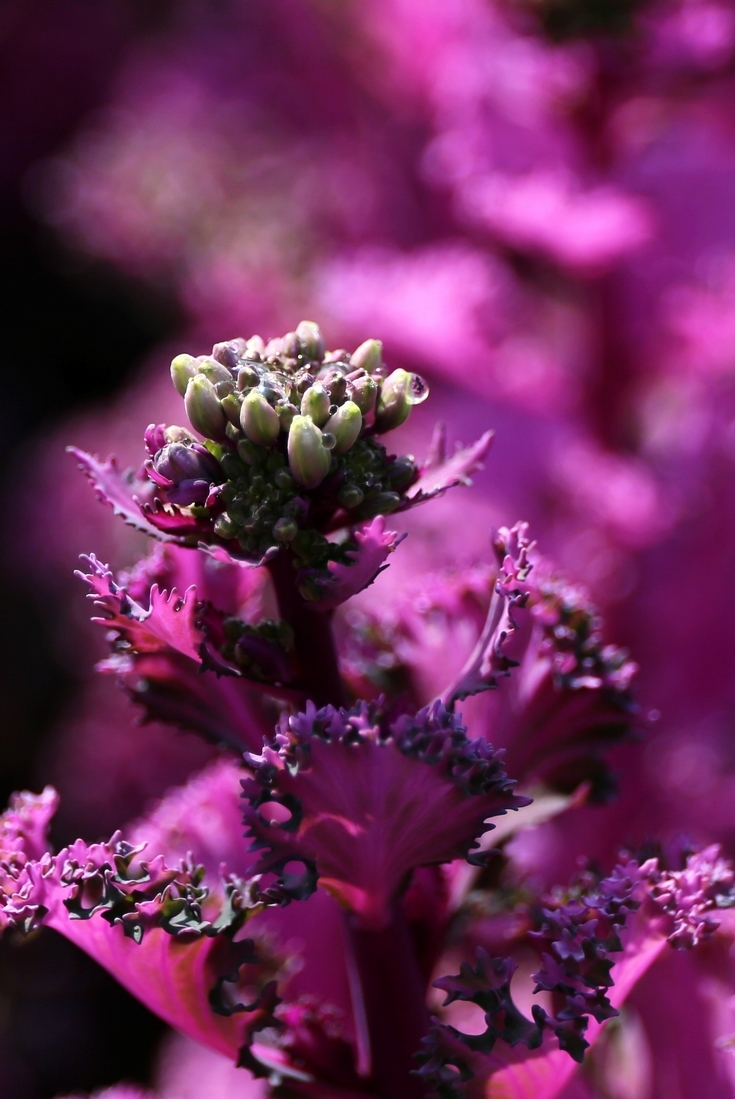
283, 479
224, 526
231, 407
215, 371
248, 451
247, 377
364, 393
259, 420
204, 409
345, 425
183, 368
316, 403
286, 412
368, 356
398, 394
285, 530
311, 340
350, 496
308, 459
401, 472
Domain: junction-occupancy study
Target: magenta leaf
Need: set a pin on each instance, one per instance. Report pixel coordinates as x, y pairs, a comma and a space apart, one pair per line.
441, 472
339, 582
363, 802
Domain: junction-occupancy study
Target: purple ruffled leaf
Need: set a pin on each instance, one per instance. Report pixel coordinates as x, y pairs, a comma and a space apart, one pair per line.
364, 803
374, 545
151, 925
157, 658
125, 492
441, 472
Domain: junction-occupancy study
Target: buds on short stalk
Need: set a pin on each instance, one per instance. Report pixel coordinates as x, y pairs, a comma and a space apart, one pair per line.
398, 393
368, 356
183, 369
178, 463
308, 458
316, 403
259, 420
204, 409
345, 426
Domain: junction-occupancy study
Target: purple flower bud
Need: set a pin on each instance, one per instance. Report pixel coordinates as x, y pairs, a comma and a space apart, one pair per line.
204, 409
229, 352
308, 458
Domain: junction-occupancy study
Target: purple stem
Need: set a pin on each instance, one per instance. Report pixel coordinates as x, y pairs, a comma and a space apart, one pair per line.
389, 1005
313, 638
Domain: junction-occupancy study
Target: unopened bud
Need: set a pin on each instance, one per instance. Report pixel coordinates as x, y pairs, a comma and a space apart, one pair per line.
364, 393
228, 352
308, 459
247, 378
214, 371
183, 368
254, 348
231, 407
290, 346
259, 420
285, 530
345, 425
350, 496
368, 356
286, 412
401, 473
398, 394
224, 526
311, 340
204, 409
316, 403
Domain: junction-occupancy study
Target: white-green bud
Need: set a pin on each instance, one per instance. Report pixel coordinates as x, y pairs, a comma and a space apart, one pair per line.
345, 425
316, 403
204, 409
398, 394
364, 393
311, 340
368, 356
231, 408
259, 420
183, 368
215, 371
308, 459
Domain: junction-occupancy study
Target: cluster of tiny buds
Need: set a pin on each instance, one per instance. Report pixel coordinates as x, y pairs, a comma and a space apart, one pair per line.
252, 392
277, 420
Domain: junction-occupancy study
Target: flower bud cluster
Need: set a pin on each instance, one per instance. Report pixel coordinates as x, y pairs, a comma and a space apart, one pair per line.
290, 445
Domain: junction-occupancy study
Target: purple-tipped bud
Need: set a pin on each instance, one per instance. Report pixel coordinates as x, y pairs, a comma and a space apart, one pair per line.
398, 394
311, 341
364, 393
183, 369
308, 458
204, 409
228, 352
185, 471
368, 356
254, 348
259, 420
316, 403
345, 425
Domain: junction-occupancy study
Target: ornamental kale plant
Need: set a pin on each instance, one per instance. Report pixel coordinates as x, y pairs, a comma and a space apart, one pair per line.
370, 934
